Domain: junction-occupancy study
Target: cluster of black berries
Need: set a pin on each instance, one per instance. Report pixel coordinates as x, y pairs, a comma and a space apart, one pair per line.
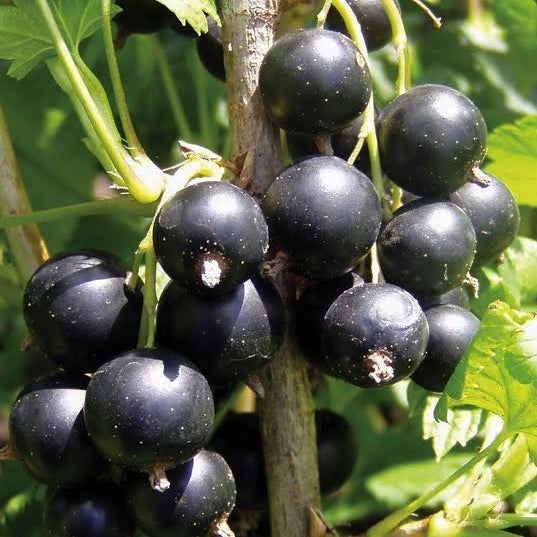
326, 215
118, 434
123, 435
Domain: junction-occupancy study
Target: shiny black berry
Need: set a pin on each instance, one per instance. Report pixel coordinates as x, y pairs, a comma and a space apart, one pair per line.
374, 335
493, 212
149, 406
451, 330
458, 296
210, 236
228, 335
430, 140
427, 247
314, 81
373, 19
48, 433
199, 499
142, 16
312, 305
324, 213
211, 50
91, 510
79, 310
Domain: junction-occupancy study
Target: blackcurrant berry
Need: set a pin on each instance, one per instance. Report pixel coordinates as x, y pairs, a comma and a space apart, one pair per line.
200, 498
228, 335
314, 81
142, 16
374, 335
324, 213
211, 50
311, 308
79, 310
451, 330
147, 407
92, 510
210, 236
430, 140
427, 247
336, 450
238, 440
374, 22
302, 145
48, 433
494, 215
456, 296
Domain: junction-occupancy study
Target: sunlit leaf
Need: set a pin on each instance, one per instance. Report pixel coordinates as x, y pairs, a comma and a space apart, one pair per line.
25, 38
193, 12
498, 372
512, 149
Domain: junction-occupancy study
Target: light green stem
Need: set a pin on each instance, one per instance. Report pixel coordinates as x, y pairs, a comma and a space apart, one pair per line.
391, 521
144, 190
110, 206
135, 147
170, 88
150, 295
368, 126
400, 42
508, 520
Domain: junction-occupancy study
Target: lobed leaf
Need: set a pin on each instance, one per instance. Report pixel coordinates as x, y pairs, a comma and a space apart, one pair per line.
498, 372
512, 148
512, 281
24, 36
193, 12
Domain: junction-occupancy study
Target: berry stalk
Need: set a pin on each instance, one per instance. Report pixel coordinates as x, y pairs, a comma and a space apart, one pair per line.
144, 189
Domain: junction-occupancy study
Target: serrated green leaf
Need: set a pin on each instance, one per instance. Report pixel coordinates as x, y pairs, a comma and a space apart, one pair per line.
510, 473
193, 12
461, 426
512, 281
401, 483
24, 36
498, 372
458, 426
512, 148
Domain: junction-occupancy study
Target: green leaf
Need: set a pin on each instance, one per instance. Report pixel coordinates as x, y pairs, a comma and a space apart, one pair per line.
512, 148
512, 281
518, 18
512, 471
24, 36
401, 483
498, 372
193, 12
458, 426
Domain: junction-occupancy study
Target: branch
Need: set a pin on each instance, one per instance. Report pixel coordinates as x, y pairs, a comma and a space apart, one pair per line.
25, 242
286, 411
